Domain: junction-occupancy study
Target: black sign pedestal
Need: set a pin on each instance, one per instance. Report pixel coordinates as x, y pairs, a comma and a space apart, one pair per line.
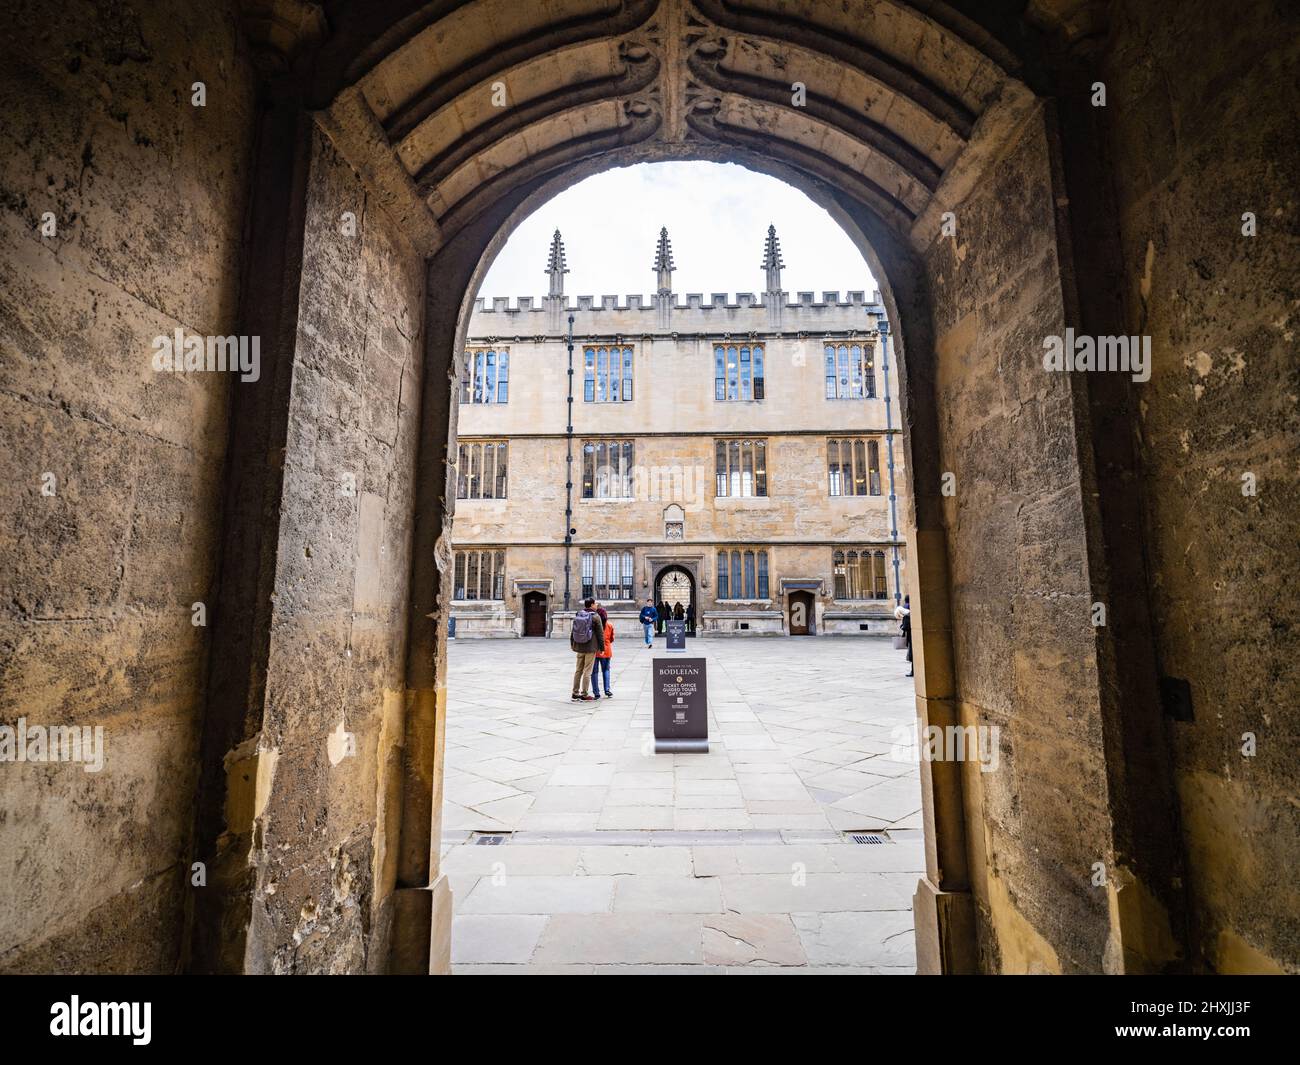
681, 705
676, 636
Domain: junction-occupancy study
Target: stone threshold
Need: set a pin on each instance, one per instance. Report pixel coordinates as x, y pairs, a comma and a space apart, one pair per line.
679, 838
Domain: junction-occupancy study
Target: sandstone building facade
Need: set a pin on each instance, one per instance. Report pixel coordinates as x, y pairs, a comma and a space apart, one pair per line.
738, 462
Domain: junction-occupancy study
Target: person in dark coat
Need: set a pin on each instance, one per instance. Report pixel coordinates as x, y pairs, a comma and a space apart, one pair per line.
690, 618
678, 612
904, 615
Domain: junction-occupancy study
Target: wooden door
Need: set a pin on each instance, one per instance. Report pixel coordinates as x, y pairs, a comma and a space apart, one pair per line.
801, 613
534, 614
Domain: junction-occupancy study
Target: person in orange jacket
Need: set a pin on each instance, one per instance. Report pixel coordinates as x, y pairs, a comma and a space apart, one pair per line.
601, 665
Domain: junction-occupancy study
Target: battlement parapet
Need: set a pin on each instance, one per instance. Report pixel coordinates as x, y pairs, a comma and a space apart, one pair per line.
691, 301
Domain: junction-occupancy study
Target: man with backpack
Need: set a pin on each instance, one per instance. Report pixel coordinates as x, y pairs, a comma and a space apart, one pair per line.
586, 640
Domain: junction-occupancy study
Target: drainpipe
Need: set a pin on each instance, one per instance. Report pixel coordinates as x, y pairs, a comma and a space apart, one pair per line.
568, 480
889, 445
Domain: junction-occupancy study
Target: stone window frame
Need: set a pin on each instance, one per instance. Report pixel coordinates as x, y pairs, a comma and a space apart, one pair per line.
485, 366
598, 384
472, 464
734, 459
470, 561
746, 567
862, 467
859, 574
623, 478
849, 368
594, 574
741, 381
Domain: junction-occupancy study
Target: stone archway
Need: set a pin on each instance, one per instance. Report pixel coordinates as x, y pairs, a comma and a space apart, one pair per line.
355, 168
675, 585
450, 145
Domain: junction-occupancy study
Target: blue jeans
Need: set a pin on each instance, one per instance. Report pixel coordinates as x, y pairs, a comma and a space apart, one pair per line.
600, 666
649, 632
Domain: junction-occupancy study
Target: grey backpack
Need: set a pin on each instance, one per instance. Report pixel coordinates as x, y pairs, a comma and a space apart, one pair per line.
582, 622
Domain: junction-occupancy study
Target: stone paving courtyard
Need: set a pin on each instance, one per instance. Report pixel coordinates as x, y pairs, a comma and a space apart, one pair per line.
739, 860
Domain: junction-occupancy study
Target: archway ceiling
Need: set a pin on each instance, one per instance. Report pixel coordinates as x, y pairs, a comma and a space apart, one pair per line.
896, 92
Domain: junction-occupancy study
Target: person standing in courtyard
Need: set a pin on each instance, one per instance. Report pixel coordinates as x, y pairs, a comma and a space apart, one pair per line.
601, 665
904, 615
586, 640
649, 615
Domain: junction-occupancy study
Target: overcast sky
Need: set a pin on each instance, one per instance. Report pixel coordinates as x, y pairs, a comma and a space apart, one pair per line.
717, 216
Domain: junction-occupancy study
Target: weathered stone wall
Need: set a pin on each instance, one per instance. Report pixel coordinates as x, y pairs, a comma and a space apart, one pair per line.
1023, 650
1201, 136
325, 843
97, 579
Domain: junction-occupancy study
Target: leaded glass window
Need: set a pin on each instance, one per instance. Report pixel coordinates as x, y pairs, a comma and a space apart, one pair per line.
607, 469
607, 576
607, 374
481, 469
485, 376
738, 372
853, 467
741, 467
850, 371
479, 575
742, 574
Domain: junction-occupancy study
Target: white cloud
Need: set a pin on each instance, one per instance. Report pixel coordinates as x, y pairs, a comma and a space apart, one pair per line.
717, 216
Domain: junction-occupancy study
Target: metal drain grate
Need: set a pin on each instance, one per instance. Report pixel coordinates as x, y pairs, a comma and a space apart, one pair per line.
490, 841
868, 837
